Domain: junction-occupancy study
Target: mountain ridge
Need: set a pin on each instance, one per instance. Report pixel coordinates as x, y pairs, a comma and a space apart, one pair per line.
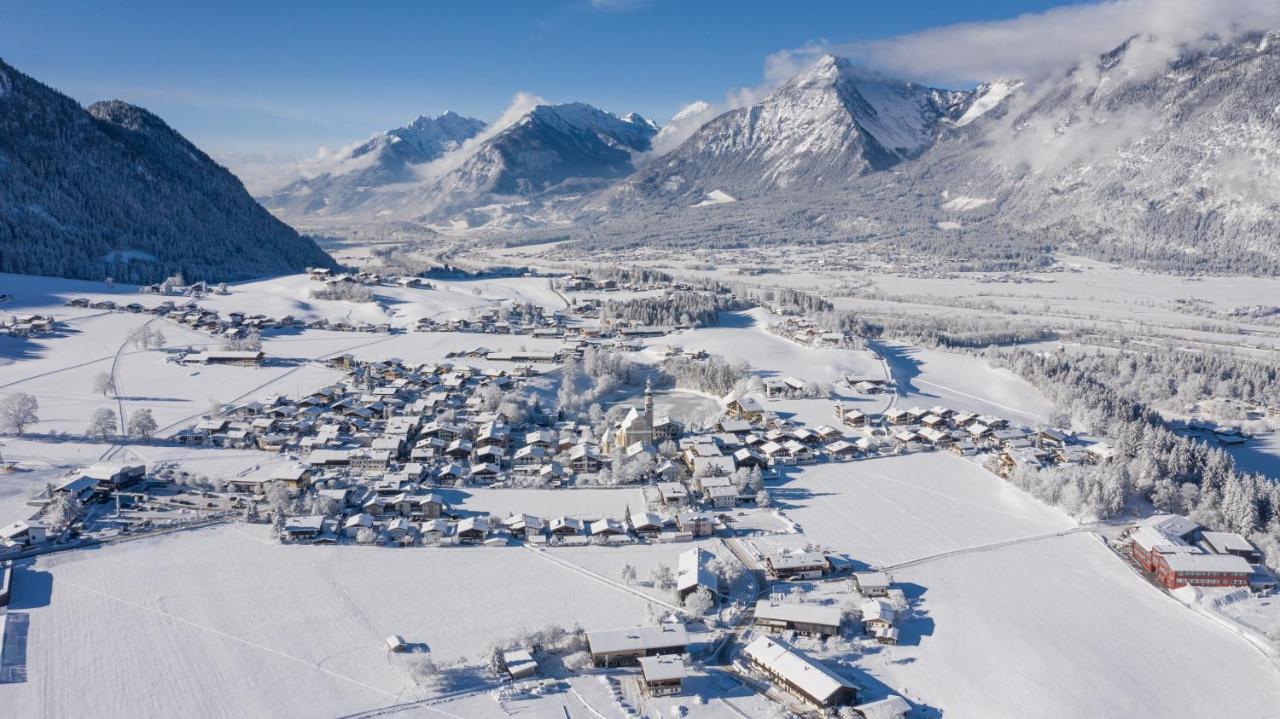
112, 191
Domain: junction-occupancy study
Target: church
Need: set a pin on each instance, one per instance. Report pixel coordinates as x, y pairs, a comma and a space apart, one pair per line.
640, 425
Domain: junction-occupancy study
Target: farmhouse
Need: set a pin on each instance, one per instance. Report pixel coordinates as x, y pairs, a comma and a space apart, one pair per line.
619, 647
23, 533
872, 584
877, 615
797, 565
746, 407
244, 358
662, 675
692, 572
812, 619
799, 675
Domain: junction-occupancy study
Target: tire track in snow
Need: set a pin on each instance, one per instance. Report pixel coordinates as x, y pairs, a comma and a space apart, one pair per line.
232, 637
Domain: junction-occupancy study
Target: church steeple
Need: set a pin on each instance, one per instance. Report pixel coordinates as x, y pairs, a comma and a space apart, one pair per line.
648, 401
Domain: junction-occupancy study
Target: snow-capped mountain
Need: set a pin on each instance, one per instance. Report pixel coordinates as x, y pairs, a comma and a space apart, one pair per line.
385, 159
549, 153
827, 125
1139, 156
1134, 156
112, 191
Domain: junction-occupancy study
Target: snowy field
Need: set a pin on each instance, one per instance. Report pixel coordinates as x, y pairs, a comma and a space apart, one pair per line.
1049, 626
262, 629
895, 509
744, 336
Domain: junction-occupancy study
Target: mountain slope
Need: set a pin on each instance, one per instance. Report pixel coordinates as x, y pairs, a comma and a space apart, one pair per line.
1134, 157
548, 154
386, 159
824, 127
1140, 156
114, 191
551, 150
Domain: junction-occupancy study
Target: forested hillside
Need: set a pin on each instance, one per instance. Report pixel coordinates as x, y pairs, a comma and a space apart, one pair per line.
112, 191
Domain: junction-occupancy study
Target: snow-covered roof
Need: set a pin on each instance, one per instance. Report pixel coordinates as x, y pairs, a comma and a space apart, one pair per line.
1223, 542
827, 615
662, 668
692, 571
800, 671
1215, 563
664, 636
891, 707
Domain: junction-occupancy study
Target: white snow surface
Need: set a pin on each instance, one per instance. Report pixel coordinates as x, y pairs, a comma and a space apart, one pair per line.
1040, 624
716, 197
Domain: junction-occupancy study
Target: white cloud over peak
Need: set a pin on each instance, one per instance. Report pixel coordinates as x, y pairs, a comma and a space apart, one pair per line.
520, 105
1037, 44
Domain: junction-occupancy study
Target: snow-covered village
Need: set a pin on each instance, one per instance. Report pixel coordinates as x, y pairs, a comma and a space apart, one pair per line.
582, 415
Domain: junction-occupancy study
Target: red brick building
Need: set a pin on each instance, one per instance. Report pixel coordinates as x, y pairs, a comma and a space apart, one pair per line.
1162, 546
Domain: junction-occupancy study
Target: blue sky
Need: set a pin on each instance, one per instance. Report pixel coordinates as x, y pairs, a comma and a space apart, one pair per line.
248, 77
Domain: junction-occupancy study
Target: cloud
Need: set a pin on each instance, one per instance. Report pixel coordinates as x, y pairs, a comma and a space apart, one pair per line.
1035, 45
778, 68
520, 105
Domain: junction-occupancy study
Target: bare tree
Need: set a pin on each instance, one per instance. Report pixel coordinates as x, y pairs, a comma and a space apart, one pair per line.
17, 411
142, 424
103, 424
104, 383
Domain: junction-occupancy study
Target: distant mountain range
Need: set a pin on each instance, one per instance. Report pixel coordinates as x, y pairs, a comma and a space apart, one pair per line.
112, 191
552, 151
1136, 156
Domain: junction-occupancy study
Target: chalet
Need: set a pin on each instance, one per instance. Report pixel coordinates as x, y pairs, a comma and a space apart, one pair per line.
817, 620
472, 530
672, 493
804, 678
723, 497
583, 458
693, 572
647, 525
963, 447
606, 528
301, 529
797, 565
746, 407
898, 417
524, 525
876, 615
566, 527
873, 584
451, 474
484, 472
695, 523
853, 418
295, 477
749, 458
23, 534
735, 426
621, 647
356, 522
662, 675
433, 531
369, 461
